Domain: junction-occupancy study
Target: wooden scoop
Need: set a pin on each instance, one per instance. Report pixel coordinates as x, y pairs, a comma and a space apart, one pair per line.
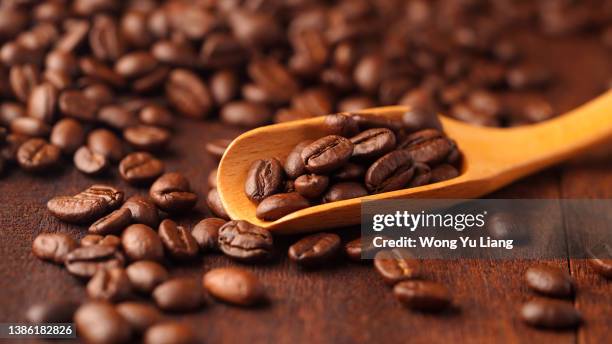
492, 158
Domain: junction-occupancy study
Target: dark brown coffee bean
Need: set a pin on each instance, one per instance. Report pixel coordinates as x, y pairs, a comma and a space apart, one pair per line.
206, 233
140, 316
373, 143
311, 185
42, 102
57, 311
274, 80
59, 80
391, 172
244, 241
170, 332
100, 71
61, 60
349, 172
75, 104
9, 111
342, 124
265, 178
135, 64
523, 77
105, 142
86, 206
395, 265
171, 193
30, 126
110, 285
360, 247
276, 206
53, 247
140, 242
417, 119
99, 322
116, 117
86, 261
344, 190
68, 135
254, 28
315, 249
213, 200
145, 275
89, 162
217, 147
177, 241
422, 175
465, 113
443, 172
549, 280
174, 53
422, 295
10, 148
357, 103
143, 210
599, 258
428, 146
23, 78
246, 114
234, 285
112, 223
95, 239
105, 39
327, 154
188, 93
537, 110
140, 168
554, 314
370, 121
157, 116
148, 138
76, 32
178, 295
36, 155
294, 165
485, 103
224, 86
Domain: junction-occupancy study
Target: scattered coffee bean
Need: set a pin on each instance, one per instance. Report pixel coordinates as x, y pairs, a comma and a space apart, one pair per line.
30, 126
599, 258
145, 275
68, 134
396, 265
89, 162
234, 285
177, 241
86, 261
140, 242
140, 316
147, 138
246, 114
75, 104
106, 143
157, 116
552, 314
422, 295
549, 280
216, 148
171, 193
206, 233
178, 295
213, 200
112, 223
276, 206
53, 247
95, 239
170, 332
38, 156
212, 179
110, 285
143, 210
86, 206
315, 249
58, 311
265, 178
244, 241
99, 322
140, 168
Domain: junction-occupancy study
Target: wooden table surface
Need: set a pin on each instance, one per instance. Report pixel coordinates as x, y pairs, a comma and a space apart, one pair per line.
346, 302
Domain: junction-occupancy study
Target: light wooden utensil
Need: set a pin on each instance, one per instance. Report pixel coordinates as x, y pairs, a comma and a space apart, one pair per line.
492, 158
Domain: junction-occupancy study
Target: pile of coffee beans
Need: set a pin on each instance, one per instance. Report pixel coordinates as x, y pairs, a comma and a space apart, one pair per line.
364, 154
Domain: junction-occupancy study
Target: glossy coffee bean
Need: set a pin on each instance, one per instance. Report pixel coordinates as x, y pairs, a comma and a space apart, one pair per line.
265, 178
110, 285
341, 124
140, 316
212, 179
38, 156
116, 117
224, 86
327, 154
188, 93
354, 249
170, 333
86, 261
217, 147
276, 206
172, 193
87, 205
140, 168
422, 295
315, 249
140, 242
417, 119
143, 210
428, 146
344, 190
99, 322
294, 165
234, 285
549, 280
349, 172
67, 134
178, 295
76, 104
396, 265
246, 114
206, 233
89, 162
370, 121
311, 185
106, 143
372, 143
42, 102
145, 275
157, 116
112, 223
215, 205
95, 239
554, 314
147, 138
30, 126
178, 242
56, 311
443, 172
244, 241
53, 247
391, 172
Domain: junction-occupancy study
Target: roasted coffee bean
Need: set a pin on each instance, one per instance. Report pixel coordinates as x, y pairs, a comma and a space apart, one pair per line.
428, 146
171, 193
206, 233
217, 147
42, 102
188, 93
212, 179
422, 175
157, 116
372, 143
90, 162
140, 316
178, 295
175, 53
75, 104
505, 225
103, 95
213, 200
552, 314
391, 172
68, 135
140, 242
86, 206
36, 155
86, 261
147, 138
349, 172
254, 28
117, 117
145, 275
106, 143
135, 64
422, 295
315, 249
100, 71
294, 165
224, 86
276, 206
327, 154
99, 322
600, 259
170, 332
537, 110
344, 190
234, 285
342, 124
485, 103
246, 114
143, 210
9, 111
355, 249
112, 223
273, 79
443, 172
104, 39
57, 311
140, 168
53, 247
95, 239
23, 78
395, 265
30, 126
265, 178
110, 285
523, 77
370, 121
417, 119
311, 185
549, 280
244, 241
178, 242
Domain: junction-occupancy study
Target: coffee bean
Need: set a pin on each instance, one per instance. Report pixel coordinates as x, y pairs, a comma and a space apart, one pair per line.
53, 247
443, 172
311, 185
171, 193
422, 295
217, 147
417, 119
30, 126
245, 114
554, 314
112, 223
174, 53
234, 285
391, 172
109, 285
177, 241
428, 146
86, 261
99, 71
105, 142
86, 206
95, 239
265, 178
145, 275
395, 265
342, 124
170, 332
244, 241
224, 86
344, 190
135, 64
104, 39
147, 138
9, 111
294, 165
354, 249
143, 210
504, 225
68, 135
206, 233
116, 117
140, 242
349, 172
42, 102
276, 206
315, 249
99, 322
140, 168
372, 143
157, 116
140, 316
369, 121
213, 200
599, 259
549, 280
178, 295
327, 154
75, 104
485, 103
23, 78
57, 311
90, 162
188, 93
274, 79
36, 155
